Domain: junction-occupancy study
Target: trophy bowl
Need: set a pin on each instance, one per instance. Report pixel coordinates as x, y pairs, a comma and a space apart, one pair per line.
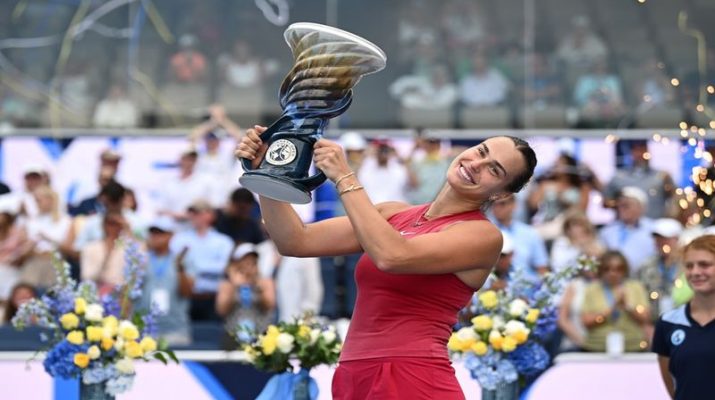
328, 63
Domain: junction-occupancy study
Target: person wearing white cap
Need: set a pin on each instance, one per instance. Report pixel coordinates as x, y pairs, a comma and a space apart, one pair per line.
500, 277
630, 233
168, 283
660, 273
245, 300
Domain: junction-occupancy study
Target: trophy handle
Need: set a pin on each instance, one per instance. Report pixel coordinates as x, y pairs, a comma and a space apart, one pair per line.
248, 164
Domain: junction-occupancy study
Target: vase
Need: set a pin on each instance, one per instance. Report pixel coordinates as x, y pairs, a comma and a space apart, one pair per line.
94, 391
301, 388
503, 391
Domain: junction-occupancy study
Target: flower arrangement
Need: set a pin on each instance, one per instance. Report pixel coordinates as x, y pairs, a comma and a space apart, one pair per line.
303, 341
96, 339
503, 341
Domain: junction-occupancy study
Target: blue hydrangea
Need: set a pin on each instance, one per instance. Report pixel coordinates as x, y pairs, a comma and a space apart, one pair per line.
546, 324
59, 361
490, 370
98, 374
119, 384
111, 305
529, 359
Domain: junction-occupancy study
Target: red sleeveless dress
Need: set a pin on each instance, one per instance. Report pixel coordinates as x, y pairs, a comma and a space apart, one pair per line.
396, 346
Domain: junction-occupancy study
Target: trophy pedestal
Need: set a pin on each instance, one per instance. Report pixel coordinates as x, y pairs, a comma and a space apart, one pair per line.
275, 187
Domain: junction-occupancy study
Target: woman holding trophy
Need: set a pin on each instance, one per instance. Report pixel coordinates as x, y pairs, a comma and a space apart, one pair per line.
421, 264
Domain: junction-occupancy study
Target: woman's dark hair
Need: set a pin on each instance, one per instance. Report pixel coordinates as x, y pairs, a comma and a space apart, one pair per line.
10, 308
611, 255
527, 152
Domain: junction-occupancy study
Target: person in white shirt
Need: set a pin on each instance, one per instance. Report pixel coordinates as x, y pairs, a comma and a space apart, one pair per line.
383, 176
418, 91
484, 86
189, 186
116, 110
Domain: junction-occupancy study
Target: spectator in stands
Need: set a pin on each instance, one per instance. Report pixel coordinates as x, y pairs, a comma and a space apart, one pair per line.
529, 249
581, 48
23, 202
116, 110
168, 284
299, 287
188, 65
416, 34
559, 190
19, 295
206, 253
14, 249
76, 85
631, 232
102, 260
236, 219
502, 269
463, 24
510, 62
570, 309
599, 95
91, 205
186, 188
615, 303
355, 146
46, 230
383, 175
657, 184
245, 299
660, 272
578, 239
484, 86
87, 191
544, 87
426, 169
653, 86
435, 91
241, 68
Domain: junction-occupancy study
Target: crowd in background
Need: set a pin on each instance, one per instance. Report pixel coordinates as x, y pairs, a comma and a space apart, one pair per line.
458, 56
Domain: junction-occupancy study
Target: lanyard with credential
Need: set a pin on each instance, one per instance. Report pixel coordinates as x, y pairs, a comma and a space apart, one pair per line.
610, 299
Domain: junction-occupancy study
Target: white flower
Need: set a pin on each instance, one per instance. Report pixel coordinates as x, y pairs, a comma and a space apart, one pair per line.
466, 334
284, 342
497, 322
119, 344
314, 335
94, 313
329, 336
514, 326
125, 366
93, 352
518, 307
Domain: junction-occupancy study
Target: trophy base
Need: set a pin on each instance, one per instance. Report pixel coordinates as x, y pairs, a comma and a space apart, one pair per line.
274, 188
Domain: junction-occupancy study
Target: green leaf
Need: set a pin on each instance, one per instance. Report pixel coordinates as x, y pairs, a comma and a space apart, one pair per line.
171, 355
161, 358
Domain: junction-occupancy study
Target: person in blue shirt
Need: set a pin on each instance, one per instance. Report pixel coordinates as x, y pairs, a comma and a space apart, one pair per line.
206, 253
168, 284
684, 337
529, 248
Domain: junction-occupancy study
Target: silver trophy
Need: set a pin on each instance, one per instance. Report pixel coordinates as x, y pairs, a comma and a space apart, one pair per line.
328, 63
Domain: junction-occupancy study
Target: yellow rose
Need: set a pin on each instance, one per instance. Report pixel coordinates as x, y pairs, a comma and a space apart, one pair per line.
75, 337
110, 324
454, 344
482, 323
509, 344
128, 331
69, 321
532, 315
148, 344
80, 305
272, 331
93, 352
94, 333
479, 348
133, 349
520, 336
107, 343
269, 343
304, 331
496, 340
489, 299
81, 360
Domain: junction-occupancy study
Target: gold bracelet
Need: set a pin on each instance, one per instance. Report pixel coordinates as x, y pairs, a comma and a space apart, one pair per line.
343, 177
350, 188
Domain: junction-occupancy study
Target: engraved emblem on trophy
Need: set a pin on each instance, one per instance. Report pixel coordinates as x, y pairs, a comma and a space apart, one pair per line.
328, 63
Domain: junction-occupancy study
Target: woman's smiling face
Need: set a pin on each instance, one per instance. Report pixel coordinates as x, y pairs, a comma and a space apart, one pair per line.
486, 169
